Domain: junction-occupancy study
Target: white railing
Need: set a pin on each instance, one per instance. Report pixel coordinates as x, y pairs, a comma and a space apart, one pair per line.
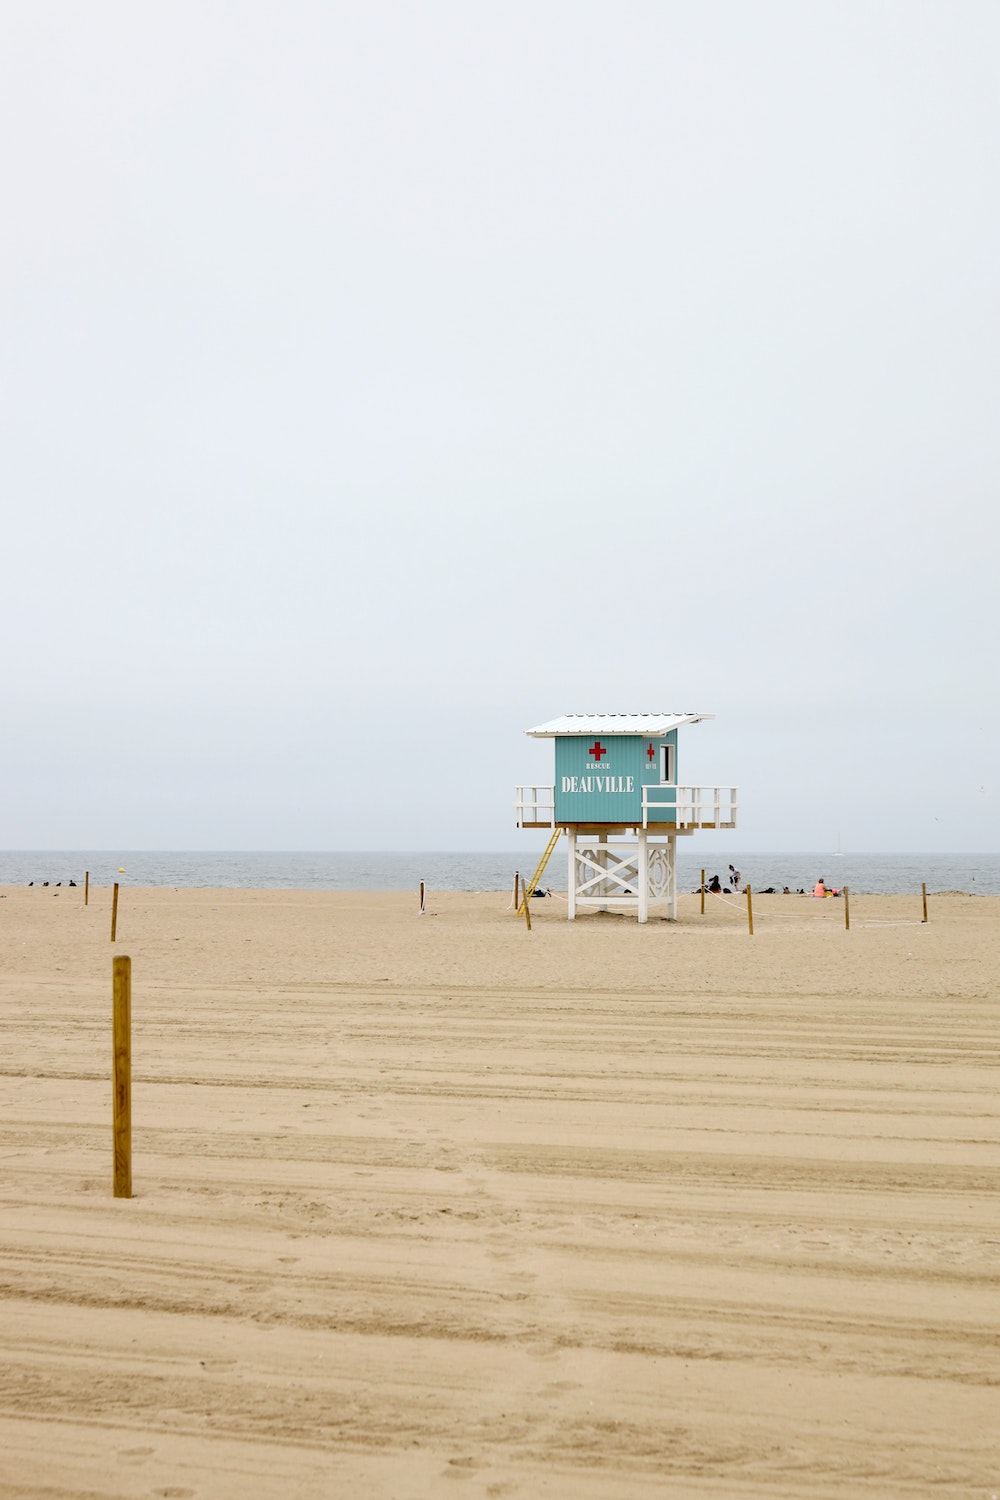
685, 806
535, 805
690, 806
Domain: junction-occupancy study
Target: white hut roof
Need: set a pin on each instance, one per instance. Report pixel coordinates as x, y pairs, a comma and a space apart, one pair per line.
644, 724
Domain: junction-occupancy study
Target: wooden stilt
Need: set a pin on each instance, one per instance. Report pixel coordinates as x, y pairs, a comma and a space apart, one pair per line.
571, 889
643, 874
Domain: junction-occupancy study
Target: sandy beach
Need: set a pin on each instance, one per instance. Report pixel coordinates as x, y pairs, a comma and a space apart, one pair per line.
434, 1205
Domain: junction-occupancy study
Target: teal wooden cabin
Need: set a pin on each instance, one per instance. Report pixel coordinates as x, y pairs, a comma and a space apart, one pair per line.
618, 774
609, 779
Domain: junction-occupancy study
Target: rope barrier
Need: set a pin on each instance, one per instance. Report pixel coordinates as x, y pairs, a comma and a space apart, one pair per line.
878, 922
769, 916
718, 897
772, 916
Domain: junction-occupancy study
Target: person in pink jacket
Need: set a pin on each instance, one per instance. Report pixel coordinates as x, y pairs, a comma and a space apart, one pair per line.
820, 888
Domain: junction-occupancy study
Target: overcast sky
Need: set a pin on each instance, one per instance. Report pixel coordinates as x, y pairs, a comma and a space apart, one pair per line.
379, 380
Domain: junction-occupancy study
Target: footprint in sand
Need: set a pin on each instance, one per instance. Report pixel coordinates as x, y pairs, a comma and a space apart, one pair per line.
460, 1468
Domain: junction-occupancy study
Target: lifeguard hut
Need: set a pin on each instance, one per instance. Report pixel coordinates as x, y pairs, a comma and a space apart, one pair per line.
618, 799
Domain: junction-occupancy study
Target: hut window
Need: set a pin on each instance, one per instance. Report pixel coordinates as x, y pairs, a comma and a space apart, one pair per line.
666, 763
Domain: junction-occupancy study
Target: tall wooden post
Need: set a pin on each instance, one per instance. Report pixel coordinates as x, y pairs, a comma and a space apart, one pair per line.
86, 888
121, 1029
923, 888
847, 908
517, 883
750, 911
114, 911
703, 892
421, 898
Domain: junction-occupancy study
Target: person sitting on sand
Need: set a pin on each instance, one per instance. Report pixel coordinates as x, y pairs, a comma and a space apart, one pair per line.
820, 887
714, 886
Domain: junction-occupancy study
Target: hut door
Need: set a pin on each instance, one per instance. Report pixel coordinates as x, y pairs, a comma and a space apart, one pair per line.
666, 764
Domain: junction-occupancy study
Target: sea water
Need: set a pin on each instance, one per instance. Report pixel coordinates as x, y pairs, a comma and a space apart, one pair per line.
876, 874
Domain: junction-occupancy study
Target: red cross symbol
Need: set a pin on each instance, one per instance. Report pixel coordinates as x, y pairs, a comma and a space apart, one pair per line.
597, 750
651, 753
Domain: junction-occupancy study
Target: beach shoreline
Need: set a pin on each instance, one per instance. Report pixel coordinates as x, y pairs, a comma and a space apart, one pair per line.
485, 871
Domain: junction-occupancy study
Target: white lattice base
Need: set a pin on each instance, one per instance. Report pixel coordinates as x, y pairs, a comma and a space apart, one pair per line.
606, 875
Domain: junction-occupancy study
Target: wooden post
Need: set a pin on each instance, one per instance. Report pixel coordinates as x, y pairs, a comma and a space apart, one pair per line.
114, 912
121, 1026
750, 911
847, 908
923, 888
86, 888
517, 882
421, 898
527, 911
703, 892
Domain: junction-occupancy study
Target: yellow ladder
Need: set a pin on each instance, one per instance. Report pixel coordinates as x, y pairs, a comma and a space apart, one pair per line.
532, 884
